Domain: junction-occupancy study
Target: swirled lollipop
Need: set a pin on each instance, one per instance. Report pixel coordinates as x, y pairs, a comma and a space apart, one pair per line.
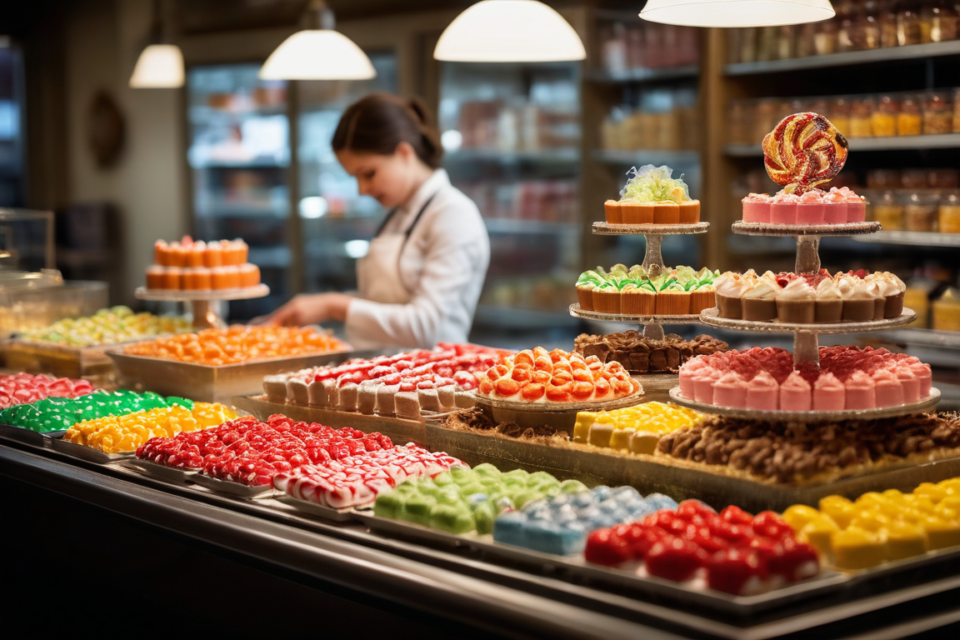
804, 150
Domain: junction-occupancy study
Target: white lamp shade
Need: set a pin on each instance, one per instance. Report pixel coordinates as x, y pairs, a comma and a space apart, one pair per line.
160, 66
736, 13
509, 31
318, 54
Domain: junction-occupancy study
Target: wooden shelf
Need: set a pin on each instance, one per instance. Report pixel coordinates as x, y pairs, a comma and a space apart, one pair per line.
913, 238
648, 156
644, 75
851, 58
892, 143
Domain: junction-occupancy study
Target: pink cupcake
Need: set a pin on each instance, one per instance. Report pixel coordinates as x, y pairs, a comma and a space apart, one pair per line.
909, 382
688, 375
810, 209
889, 391
856, 205
925, 376
703, 385
783, 208
835, 207
763, 393
730, 391
756, 208
829, 394
861, 392
795, 394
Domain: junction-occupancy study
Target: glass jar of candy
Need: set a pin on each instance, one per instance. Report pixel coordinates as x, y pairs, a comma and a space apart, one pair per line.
956, 111
908, 23
938, 21
949, 213
920, 212
888, 211
884, 118
861, 117
910, 117
943, 178
938, 113
913, 179
888, 23
839, 110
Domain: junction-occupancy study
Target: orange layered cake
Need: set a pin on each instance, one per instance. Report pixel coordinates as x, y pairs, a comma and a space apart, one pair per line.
653, 196
201, 266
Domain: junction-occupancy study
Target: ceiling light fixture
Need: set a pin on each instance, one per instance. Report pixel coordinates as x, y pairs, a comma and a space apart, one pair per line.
736, 13
317, 52
509, 31
160, 65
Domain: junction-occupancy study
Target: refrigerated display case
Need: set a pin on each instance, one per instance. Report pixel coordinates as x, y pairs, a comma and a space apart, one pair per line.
239, 156
511, 133
336, 222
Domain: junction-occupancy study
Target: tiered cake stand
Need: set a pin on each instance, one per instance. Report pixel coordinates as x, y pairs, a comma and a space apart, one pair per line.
204, 316
806, 346
656, 386
653, 262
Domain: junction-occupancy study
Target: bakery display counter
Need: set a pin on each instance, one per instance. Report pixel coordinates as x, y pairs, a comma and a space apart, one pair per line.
503, 591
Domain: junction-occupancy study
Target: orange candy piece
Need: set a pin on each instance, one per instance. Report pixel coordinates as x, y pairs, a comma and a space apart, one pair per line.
237, 344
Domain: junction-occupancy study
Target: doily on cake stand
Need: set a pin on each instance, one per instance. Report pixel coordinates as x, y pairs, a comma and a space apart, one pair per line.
204, 317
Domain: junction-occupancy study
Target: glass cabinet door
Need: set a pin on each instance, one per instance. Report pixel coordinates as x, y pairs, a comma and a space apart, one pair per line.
336, 222
239, 155
511, 133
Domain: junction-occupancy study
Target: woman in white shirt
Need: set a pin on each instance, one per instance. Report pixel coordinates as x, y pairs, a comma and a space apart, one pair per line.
421, 278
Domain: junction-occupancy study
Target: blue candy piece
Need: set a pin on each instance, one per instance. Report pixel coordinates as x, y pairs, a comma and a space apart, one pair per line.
560, 525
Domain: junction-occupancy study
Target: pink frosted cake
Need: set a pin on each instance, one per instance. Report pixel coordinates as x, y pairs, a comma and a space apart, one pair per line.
848, 378
814, 207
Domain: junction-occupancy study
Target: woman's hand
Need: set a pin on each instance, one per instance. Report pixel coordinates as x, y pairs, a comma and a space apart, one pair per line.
309, 309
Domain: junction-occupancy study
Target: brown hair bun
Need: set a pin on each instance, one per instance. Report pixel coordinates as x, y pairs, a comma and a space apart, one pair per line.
377, 123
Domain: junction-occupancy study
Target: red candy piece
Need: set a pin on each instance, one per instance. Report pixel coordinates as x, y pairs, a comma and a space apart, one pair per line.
675, 559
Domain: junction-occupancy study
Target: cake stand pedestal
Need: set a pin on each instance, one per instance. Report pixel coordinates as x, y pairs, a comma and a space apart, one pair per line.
204, 316
651, 325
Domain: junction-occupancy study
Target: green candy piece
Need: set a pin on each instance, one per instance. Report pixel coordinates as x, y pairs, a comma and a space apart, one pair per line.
470, 489
572, 486
442, 479
523, 497
389, 505
417, 509
484, 515
453, 518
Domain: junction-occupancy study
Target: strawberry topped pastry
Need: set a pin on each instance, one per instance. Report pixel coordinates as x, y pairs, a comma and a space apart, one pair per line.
403, 385
538, 375
731, 551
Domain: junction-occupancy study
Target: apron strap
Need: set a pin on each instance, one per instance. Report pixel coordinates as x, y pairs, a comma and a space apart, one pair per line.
406, 235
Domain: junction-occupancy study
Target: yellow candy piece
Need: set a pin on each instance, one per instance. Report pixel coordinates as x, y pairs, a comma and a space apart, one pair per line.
855, 549
799, 515
818, 533
942, 533
581, 428
839, 509
871, 521
932, 491
905, 541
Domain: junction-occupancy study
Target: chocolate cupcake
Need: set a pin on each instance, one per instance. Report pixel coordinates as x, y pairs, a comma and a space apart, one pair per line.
760, 301
796, 303
858, 305
829, 303
730, 288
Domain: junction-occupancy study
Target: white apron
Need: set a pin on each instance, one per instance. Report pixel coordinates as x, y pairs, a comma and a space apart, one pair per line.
378, 272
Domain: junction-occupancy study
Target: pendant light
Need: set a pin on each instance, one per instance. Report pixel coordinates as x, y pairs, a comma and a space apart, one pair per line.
509, 31
318, 52
736, 13
160, 65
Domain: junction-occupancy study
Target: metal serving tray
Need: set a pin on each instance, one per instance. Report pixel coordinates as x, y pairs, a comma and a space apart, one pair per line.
20, 434
577, 569
399, 430
60, 360
174, 475
89, 454
209, 384
314, 509
234, 489
678, 479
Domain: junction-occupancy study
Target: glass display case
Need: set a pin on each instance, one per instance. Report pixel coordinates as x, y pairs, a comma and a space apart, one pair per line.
12, 171
239, 155
511, 133
336, 222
